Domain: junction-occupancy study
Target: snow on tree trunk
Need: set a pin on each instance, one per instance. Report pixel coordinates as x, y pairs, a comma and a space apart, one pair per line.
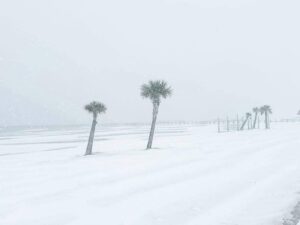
242, 127
154, 117
89, 147
255, 120
266, 120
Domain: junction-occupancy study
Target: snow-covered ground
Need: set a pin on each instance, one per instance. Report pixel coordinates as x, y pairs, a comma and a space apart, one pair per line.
195, 176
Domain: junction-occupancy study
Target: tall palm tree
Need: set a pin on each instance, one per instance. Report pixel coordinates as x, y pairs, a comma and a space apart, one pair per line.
256, 111
266, 109
248, 115
155, 91
96, 108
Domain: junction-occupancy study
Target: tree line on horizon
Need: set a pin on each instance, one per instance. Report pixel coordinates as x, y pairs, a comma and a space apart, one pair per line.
156, 91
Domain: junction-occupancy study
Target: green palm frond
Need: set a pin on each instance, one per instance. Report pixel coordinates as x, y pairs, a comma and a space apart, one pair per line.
155, 90
256, 110
95, 108
262, 110
265, 108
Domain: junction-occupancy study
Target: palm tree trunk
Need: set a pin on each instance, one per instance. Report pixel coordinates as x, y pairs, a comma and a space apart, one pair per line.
242, 127
89, 147
255, 120
154, 117
266, 120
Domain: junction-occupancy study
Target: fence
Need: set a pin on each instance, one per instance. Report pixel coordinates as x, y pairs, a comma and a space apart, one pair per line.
237, 124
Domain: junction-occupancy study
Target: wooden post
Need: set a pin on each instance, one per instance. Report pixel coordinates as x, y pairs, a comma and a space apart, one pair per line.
227, 121
219, 128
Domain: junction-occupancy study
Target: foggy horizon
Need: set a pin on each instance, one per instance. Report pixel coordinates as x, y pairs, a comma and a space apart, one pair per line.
221, 59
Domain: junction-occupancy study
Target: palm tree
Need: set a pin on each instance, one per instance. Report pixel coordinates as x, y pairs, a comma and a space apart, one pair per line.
96, 108
248, 115
266, 109
256, 111
155, 91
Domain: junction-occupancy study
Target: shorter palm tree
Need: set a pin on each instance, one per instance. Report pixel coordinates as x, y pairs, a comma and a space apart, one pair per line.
256, 111
248, 115
266, 110
96, 108
155, 91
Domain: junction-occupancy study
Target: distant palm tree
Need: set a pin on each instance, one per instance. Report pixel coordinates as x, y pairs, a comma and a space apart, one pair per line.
96, 108
155, 91
248, 115
256, 111
266, 109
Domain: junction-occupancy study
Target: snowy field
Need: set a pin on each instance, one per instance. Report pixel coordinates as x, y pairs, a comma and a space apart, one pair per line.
194, 176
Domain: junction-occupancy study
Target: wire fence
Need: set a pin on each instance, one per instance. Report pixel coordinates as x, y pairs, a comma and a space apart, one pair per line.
237, 124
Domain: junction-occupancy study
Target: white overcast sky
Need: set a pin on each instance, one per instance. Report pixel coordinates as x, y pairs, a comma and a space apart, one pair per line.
221, 58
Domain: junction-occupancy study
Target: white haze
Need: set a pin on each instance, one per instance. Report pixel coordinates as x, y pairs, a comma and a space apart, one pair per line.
221, 58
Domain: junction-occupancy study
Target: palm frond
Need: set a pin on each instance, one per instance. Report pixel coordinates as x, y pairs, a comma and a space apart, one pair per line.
95, 108
155, 90
255, 109
265, 108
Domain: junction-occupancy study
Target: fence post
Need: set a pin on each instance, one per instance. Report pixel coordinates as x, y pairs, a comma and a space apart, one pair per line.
237, 122
227, 121
219, 128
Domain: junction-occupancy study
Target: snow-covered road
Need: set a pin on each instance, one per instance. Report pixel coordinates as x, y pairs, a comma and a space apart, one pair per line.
195, 176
